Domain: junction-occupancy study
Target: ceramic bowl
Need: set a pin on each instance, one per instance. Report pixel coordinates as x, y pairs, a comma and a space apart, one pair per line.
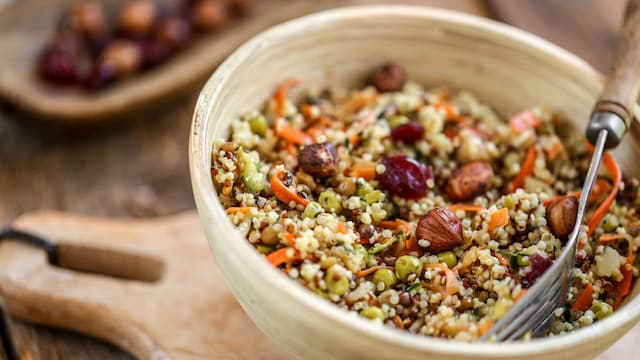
505, 67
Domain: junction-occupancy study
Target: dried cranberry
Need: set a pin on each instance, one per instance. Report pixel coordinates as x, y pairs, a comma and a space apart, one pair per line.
59, 67
154, 52
101, 76
408, 133
404, 177
539, 264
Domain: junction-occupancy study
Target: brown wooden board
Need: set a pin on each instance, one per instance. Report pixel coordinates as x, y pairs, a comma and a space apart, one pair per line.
140, 169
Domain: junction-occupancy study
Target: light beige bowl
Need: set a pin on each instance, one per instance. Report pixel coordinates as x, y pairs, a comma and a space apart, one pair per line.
508, 68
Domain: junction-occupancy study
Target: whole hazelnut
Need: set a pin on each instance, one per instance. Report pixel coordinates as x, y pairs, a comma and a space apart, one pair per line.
209, 15
561, 216
441, 228
87, 19
319, 160
469, 181
124, 56
389, 77
137, 17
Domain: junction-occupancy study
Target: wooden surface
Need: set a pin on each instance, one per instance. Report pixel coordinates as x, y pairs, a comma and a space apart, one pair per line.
140, 169
176, 305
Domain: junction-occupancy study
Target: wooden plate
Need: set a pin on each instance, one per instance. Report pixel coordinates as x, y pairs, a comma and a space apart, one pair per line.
26, 26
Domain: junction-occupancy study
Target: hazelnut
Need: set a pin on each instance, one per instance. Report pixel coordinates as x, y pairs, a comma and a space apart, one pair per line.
209, 15
174, 31
442, 228
469, 181
124, 56
137, 17
88, 19
561, 216
319, 160
389, 77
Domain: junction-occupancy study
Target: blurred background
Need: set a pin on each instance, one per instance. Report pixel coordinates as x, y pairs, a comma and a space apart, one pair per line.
132, 162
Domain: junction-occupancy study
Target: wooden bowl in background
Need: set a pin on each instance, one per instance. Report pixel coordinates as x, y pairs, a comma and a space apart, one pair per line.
505, 67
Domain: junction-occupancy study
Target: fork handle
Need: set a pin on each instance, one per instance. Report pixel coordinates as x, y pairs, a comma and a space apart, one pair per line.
615, 107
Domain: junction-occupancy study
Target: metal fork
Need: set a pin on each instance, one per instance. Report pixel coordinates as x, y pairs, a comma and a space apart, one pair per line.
610, 119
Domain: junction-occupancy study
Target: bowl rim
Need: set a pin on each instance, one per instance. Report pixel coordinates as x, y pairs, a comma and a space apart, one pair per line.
208, 203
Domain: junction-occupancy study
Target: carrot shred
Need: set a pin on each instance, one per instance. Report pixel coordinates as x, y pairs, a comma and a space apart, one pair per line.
556, 149
292, 135
524, 121
280, 95
290, 239
624, 286
280, 257
605, 238
240, 209
584, 300
465, 207
501, 259
307, 111
485, 327
519, 296
364, 169
604, 207
371, 270
283, 192
449, 110
452, 284
526, 170
342, 228
499, 218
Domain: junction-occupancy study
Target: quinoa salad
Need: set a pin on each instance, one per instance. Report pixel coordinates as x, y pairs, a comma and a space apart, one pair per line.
423, 208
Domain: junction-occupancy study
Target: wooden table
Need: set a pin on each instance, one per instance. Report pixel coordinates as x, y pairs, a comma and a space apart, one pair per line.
140, 169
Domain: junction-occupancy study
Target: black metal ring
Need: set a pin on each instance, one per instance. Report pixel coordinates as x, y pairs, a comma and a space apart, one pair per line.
31, 239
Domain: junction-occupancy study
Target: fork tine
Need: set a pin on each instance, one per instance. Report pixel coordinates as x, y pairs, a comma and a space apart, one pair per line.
540, 315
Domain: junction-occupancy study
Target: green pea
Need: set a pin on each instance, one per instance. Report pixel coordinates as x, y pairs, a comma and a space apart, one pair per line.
313, 208
264, 249
601, 309
359, 248
363, 187
449, 258
337, 280
385, 276
610, 223
407, 265
372, 312
330, 201
397, 120
258, 125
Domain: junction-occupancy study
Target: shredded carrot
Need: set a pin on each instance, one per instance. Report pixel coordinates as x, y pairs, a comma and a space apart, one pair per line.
526, 170
371, 270
411, 243
499, 218
603, 209
584, 300
556, 149
501, 259
290, 239
601, 188
485, 327
283, 192
364, 169
605, 238
519, 296
452, 284
280, 95
342, 228
240, 209
624, 286
449, 110
465, 207
307, 111
524, 121
280, 257
291, 150
290, 134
